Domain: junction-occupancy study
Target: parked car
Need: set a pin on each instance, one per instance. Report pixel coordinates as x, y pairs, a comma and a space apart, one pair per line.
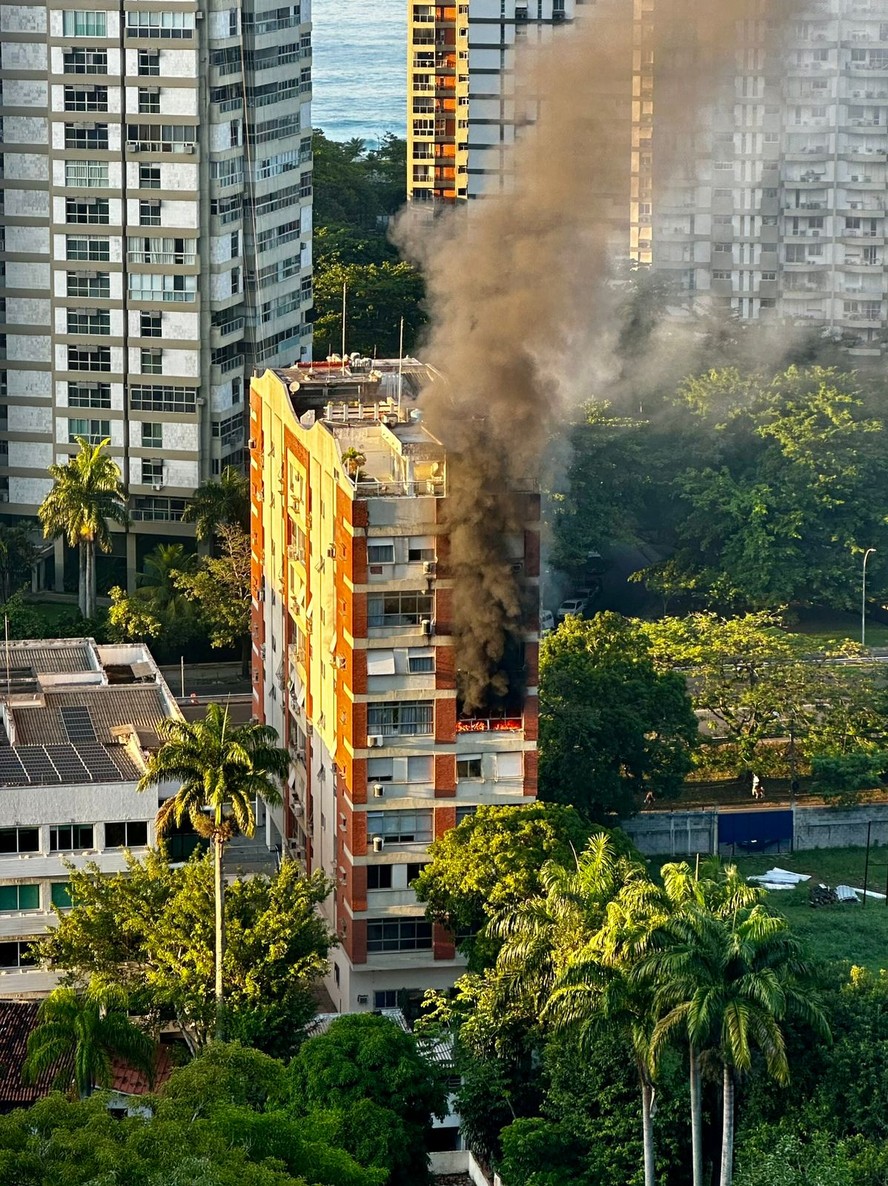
573, 605
547, 621
591, 591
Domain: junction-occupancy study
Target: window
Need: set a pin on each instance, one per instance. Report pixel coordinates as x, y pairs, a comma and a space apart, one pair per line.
89, 321
379, 553
19, 897
385, 998
468, 767
94, 139
149, 62
767, 276
401, 827
464, 813
234, 248
420, 662
145, 398
94, 431
19, 840
60, 895
236, 386
149, 176
149, 100
152, 473
151, 325
403, 934
152, 434
84, 24
86, 174
379, 877
404, 718
152, 362
235, 280
399, 609
420, 549
82, 284
129, 834
17, 955
234, 133
162, 137
170, 26
92, 98
232, 22
95, 211
148, 286
87, 247
69, 837
85, 61
509, 765
89, 395
81, 358
149, 213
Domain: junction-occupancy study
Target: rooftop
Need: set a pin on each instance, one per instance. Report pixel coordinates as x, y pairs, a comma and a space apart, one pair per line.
17, 1020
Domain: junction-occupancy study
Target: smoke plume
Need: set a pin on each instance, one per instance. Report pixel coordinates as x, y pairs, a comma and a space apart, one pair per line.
525, 318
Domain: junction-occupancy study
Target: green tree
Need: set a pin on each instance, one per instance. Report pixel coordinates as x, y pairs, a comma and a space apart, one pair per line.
86, 1029
368, 1063
221, 769
225, 503
17, 555
377, 297
158, 608
610, 723
492, 861
87, 492
220, 588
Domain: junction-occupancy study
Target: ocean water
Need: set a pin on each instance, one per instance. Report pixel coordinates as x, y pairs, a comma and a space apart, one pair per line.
360, 68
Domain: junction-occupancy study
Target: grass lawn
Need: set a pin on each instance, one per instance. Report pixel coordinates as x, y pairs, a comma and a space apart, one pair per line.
846, 933
825, 629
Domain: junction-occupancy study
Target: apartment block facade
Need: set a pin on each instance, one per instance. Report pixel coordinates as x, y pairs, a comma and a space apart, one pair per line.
463, 108
156, 236
354, 662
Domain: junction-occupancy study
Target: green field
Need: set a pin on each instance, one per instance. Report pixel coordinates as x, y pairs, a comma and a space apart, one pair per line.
846, 933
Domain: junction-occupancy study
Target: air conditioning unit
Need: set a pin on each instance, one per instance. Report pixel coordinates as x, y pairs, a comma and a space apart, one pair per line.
426, 626
252, 443
378, 843
378, 790
157, 486
331, 552
132, 146
429, 567
188, 148
374, 740
363, 999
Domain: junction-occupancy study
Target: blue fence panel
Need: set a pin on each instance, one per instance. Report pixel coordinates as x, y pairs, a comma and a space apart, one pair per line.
755, 830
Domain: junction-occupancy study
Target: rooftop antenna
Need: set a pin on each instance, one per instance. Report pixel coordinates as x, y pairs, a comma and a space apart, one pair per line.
400, 363
344, 288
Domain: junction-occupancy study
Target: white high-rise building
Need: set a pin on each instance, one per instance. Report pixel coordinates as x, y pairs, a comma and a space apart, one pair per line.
156, 214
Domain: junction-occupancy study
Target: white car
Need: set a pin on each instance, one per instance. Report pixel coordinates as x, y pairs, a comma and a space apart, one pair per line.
547, 621
573, 605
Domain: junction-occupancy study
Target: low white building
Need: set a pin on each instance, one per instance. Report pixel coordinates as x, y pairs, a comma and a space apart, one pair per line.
76, 720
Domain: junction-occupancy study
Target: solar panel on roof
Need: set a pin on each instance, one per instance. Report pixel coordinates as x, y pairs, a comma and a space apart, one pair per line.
99, 763
78, 724
12, 773
37, 764
67, 762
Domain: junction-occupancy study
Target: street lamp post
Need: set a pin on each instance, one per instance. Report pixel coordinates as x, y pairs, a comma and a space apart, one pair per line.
866, 556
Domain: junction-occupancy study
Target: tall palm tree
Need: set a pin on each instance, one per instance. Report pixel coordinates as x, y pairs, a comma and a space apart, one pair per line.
220, 769
727, 980
219, 504
88, 1028
87, 492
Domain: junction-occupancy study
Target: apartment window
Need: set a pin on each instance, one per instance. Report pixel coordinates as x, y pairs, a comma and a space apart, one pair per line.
149, 176
149, 62
19, 897
768, 303
767, 276
236, 387
420, 662
162, 137
85, 61
232, 22
95, 322
381, 553
235, 281
401, 827
463, 813
468, 767
149, 213
148, 286
145, 398
60, 895
234, 244
126, 834
149, 101
152, 473
89, 395
88, 247
152, 435
19, 840
96, 211
399, 609
95, 431
86, 174
169, 26
151, 325
234, 133
420, 548
92, 98
152, 363
82, 284
93, 139
716, 275
70, 837
379, 877
81, 358
410, 718
84, 24
17, 954
385, 998
227, 210
403, 934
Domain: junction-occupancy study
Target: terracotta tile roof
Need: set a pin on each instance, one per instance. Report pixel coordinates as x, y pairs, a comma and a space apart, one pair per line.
129, 1081
141, 706
17, 1020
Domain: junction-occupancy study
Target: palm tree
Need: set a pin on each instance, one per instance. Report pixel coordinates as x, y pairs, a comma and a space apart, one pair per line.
219, 504
727, 979
89, 1027
87, 492
161, 594
220, 769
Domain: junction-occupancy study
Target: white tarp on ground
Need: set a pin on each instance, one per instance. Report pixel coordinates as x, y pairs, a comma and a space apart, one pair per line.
846, 894
780, 879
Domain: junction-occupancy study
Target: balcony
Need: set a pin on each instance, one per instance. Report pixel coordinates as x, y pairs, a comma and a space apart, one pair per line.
489, 725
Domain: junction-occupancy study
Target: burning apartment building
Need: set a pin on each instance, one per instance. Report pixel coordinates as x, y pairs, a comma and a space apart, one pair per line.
402, 714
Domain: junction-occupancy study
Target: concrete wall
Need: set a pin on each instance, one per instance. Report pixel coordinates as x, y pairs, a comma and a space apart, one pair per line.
827, 827
676, 833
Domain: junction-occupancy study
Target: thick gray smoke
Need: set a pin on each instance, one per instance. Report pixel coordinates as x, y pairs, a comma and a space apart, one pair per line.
525, 318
